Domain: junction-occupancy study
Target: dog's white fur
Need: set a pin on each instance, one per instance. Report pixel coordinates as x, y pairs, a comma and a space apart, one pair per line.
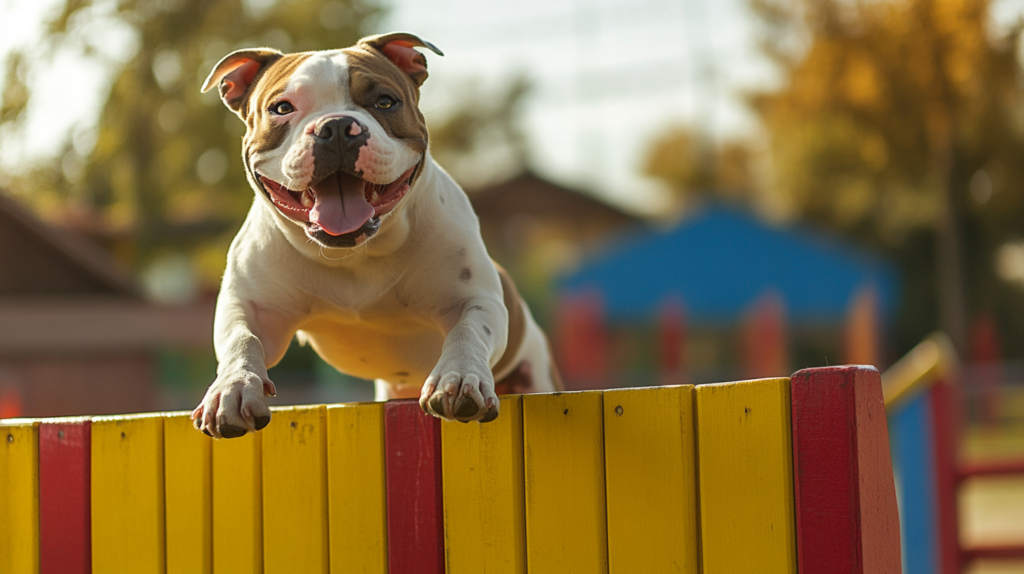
393, 308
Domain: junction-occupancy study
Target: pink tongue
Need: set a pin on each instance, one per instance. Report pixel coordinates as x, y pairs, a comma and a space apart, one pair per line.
341, 205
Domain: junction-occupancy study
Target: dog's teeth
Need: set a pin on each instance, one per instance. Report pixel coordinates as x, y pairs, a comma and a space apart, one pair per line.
307, 199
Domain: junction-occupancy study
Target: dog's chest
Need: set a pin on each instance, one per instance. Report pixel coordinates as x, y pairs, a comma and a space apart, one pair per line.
373, 332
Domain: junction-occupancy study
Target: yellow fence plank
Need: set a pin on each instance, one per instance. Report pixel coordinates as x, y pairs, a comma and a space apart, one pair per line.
564, 464
746, 477
238, 505
19, 497
484, 514
650, 470
187, 494
128, 494
295, 491
356, 492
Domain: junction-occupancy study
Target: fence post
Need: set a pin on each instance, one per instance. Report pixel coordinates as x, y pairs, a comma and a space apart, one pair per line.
846, 514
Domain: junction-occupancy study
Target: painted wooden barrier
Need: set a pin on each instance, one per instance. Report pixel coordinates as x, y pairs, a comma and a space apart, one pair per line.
65, 447
920, 401
769, 476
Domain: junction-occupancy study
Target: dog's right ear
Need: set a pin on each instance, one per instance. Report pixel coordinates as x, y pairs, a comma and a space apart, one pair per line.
237, 72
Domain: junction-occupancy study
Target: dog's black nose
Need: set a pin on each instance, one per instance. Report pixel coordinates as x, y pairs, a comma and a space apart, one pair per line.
337, 142
341, 129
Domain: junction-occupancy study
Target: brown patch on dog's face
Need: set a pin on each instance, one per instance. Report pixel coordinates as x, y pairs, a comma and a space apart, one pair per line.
262, 133
373, 76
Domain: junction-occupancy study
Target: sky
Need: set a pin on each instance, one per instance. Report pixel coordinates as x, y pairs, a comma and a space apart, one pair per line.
608, 76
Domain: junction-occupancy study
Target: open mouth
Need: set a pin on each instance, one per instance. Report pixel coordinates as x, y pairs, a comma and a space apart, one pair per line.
340, 204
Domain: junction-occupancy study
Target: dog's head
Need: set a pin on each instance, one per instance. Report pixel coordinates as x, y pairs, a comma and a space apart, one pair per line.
334, 139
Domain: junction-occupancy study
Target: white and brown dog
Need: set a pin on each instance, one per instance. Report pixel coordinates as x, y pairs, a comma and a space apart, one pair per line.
359, 243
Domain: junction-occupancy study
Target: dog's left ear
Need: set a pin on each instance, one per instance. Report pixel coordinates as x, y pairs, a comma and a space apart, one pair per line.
237, 72
399, 47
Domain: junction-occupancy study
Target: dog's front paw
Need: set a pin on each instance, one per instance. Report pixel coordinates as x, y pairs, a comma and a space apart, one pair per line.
462, 392
234, 404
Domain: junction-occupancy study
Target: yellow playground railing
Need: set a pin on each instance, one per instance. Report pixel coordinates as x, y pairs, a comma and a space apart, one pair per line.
766, 476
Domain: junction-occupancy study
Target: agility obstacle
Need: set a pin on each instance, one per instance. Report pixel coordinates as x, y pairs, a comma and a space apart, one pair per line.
921, 400
767, 476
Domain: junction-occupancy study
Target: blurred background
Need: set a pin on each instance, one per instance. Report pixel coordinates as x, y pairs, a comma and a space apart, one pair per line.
686, 192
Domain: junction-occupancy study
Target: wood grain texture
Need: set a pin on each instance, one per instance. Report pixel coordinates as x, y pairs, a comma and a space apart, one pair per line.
484, 514
127, 473
651, 480
845, 497
295, 535
415, 514
356, 492
563, 435
746, 477
65, 535
19, 497
879, 514
188, 493
238, 505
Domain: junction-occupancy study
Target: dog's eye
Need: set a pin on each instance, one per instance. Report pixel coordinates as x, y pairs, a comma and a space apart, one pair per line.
282, 108
384, 102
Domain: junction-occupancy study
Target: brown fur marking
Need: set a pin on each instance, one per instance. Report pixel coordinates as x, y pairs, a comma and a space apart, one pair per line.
370, 76
516, 320
263, 134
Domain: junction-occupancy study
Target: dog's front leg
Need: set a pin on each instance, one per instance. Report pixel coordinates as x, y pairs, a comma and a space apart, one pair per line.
461, 386
245, 340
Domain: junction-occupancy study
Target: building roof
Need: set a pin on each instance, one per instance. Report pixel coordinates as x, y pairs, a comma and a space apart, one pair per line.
530, 194
37, 259
60, 293
720, 261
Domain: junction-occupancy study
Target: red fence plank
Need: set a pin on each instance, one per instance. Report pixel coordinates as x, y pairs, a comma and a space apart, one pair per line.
65, 541
945, 431
846, 514
415, 514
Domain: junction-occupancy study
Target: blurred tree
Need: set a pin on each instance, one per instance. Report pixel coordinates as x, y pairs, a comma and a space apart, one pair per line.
478, 139
162, 172
901, 120
693, 168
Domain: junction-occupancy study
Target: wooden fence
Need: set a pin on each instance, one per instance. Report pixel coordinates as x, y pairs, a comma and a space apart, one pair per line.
767, 476
922, 399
